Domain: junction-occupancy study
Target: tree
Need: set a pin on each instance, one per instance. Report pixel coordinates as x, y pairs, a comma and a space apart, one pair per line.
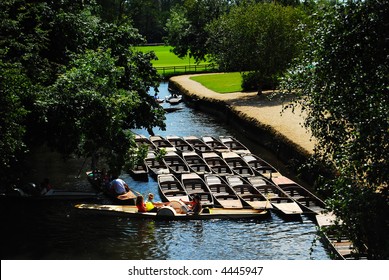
342, 83
47, 51
261, 39
186, 26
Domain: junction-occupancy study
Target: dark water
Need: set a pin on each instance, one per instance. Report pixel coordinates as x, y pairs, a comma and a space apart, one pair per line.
56, 230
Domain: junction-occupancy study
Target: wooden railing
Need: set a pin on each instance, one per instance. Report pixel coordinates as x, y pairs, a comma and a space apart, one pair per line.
169, 70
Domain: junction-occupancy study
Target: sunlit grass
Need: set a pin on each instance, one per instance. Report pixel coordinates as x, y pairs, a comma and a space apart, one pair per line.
222, 83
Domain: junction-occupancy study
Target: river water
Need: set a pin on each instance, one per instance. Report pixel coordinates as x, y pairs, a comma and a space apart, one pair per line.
56, 230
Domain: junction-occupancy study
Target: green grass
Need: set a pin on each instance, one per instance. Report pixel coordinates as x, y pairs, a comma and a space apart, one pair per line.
167, 60
221, 83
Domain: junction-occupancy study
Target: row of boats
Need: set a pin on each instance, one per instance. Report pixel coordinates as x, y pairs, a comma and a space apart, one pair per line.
224, 173
231, 181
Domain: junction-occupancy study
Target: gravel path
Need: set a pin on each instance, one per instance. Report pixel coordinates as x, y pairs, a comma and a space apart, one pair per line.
260, 108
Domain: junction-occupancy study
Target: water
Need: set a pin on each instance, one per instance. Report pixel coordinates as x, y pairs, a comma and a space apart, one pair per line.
56, 230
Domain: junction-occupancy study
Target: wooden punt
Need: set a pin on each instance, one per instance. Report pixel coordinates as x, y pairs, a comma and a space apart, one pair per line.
306, 199
140, 172
217, 164
234, 145
171, 189
195, 185
248, 193
281, 201
237, 164
160, 142
216, 145
198, 145
143, 140
180, 144
223, 194
169, 213
196, 163
175, 163
260, 166
154, 165
340, 245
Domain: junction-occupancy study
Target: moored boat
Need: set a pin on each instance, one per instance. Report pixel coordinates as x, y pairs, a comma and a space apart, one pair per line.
306, 199
179, 143
195, 185
280, 200
169, 213
237, 164
248, 193
141, 140
171, 189
160, 142
175, 163
223, 194
173, 99
198, 145
140, 172
155, 166
217, 164
260, 166
216, 145
234, 145
196, 163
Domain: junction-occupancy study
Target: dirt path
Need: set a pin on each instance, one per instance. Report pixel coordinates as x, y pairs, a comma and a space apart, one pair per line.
260, 108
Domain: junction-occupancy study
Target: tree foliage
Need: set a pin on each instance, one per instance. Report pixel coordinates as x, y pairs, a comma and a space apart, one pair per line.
342, 81
72, 81
186, 27
258, 38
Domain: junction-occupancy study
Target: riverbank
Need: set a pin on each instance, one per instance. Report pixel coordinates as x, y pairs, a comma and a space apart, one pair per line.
261, 119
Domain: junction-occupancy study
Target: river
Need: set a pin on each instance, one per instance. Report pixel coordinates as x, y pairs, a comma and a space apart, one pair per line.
56, 230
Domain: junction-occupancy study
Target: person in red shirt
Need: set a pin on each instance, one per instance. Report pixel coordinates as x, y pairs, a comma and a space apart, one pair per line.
140, 204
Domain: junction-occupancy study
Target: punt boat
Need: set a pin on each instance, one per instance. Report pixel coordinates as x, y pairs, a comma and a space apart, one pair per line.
248, 193
170, 213
175, 163
171, 189
160, 142
155, 165
217, 164
237, 164
280, 200
198, 145
223, 194
140, 172
179, 143
339, 244
306, 199
195, 185
260, 166
234, 145
196, 163
141, 140
215, 144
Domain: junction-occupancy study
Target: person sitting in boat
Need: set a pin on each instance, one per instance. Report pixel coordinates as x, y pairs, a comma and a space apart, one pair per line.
194, 205
152, 206
119, 188
140, 204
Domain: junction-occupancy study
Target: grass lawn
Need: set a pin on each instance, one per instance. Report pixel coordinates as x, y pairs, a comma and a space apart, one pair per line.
221, 83
166, 58
169, 64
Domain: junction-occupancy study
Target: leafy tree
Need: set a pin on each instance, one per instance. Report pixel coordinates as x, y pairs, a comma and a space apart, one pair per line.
342, 83
186, 26
261, 39
61, 66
